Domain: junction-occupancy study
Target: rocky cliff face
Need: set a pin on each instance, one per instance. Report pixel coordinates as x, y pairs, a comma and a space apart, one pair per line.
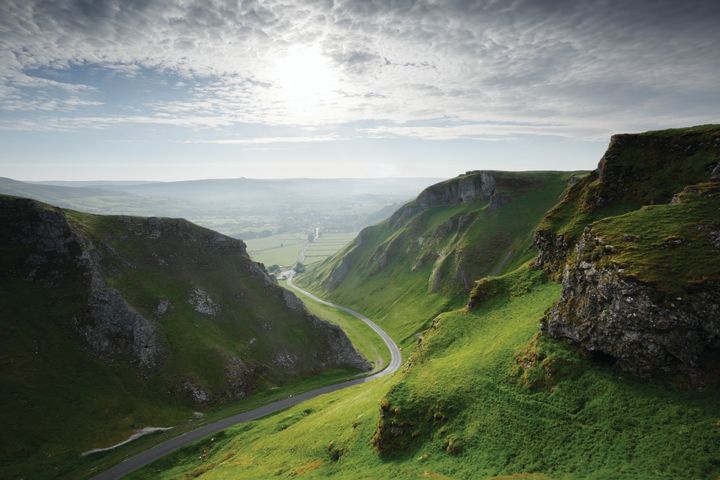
636, 170
110, 327
468, 187
642, 289
490, 186
646, 330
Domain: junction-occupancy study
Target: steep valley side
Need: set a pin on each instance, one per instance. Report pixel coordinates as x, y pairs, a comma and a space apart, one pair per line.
112, 324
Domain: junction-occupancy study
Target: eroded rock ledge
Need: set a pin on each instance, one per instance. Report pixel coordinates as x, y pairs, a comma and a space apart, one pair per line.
642, 329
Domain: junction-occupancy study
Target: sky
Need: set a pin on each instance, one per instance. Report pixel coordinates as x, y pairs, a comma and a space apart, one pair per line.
182, 89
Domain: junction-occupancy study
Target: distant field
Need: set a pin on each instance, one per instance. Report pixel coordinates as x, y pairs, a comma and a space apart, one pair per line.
283, 249
326, 245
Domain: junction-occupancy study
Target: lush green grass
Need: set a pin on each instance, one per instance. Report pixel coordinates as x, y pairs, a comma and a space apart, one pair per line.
428, 245
473, 393
669, 246
291, 443
640, 169
483, 397
81, 467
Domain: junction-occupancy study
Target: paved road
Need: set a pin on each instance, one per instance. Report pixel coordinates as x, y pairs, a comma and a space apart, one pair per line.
148, 456
395, 355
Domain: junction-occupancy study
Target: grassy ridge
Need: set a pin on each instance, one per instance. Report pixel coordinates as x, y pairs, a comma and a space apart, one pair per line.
438, 244
669, 246
485, 394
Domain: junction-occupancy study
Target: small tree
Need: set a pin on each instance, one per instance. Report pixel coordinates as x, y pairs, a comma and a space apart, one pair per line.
274, 268
299, 267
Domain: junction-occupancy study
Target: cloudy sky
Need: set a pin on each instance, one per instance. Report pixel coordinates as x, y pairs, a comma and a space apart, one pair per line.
177, 89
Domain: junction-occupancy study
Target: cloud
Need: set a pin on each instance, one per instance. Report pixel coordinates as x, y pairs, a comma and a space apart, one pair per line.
480, 131
594, 66
265, 140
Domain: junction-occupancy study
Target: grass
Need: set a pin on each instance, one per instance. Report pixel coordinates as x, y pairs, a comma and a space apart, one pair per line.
483, 393
345, 418
74, 466
638, 170
669, 246
428, 244
467, 385
327, 245
282, 249
59, 400
483, 397
364, 338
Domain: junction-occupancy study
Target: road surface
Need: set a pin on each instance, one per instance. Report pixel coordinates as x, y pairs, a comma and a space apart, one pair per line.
395, 355
160, 450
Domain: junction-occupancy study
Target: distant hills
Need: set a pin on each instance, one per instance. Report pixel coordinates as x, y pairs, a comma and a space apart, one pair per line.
238, 207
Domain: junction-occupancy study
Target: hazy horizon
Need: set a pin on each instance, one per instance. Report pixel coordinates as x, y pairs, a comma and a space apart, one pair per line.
125, 180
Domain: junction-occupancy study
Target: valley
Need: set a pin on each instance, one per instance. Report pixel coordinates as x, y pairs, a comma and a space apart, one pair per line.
161, 450
152, 319
514, 314
359, 240
495, 383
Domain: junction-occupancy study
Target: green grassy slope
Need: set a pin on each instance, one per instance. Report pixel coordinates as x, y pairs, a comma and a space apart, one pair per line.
60, 399
423, 260
487, 396
483, 397
668, 246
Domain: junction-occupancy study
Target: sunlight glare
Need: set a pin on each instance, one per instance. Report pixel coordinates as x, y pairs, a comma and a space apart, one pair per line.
306, 78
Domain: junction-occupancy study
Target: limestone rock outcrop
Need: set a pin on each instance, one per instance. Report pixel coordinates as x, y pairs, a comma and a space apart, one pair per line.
644, 330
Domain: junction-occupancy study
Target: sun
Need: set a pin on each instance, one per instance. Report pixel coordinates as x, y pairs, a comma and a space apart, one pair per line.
306, 78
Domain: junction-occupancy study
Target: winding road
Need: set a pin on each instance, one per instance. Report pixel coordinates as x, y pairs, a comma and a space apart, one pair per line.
160, 450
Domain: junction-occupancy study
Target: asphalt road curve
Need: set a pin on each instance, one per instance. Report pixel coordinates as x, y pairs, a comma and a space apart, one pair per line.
160, 450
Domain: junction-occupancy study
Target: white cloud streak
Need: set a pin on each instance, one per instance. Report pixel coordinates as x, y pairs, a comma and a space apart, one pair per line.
265, 140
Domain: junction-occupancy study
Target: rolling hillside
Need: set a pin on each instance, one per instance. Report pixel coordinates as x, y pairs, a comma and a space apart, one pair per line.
611, 373
112, 324
427, 255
